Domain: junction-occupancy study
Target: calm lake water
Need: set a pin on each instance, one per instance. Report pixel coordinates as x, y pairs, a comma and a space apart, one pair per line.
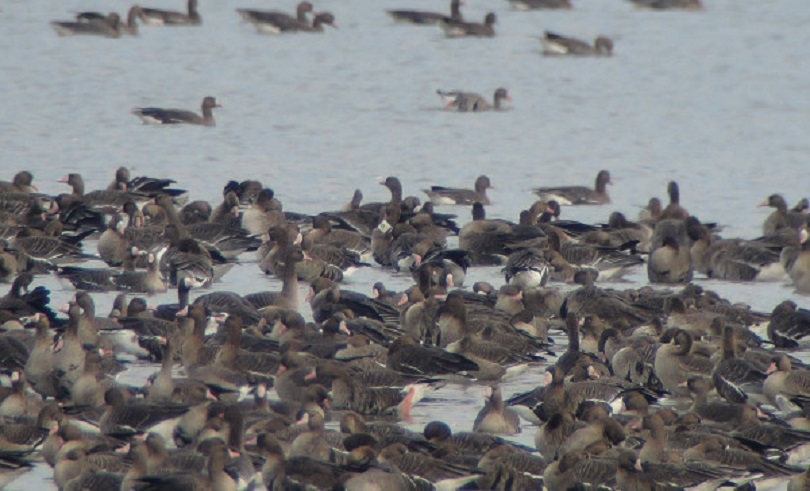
716, 100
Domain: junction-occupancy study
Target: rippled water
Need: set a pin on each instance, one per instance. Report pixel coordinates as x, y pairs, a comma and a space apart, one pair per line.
714, 99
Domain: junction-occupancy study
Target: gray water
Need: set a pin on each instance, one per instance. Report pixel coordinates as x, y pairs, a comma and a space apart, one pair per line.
716, 100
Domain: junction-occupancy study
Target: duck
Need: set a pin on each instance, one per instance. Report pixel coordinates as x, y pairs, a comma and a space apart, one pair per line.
422, 17
275, 22
578, 195
495, 417
154, 115
158, 17
455, 100
557, 45
457, 29
441, 195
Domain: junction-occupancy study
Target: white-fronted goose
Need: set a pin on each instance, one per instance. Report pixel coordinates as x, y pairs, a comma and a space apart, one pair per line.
733, 376
551, 435
784, 380
408, 356
578, 195
41, 360
69, 354
22, 182
788, 325
455, 100
124, 419
671, 259
781, 217
669, 4
456, 29
323, 233
527, 268
674, 210
570, 256
540, 4
712, 450
796, 261
756, 434
728, 414
732, 259
215, 479
558, 45
320, 20
424, 18
423, 465
495, 417
365, 397
109, 27
275, 22
159, 17
263, 213
600, 427
154, 115
578, 468
675, 363
131, 26
441, 195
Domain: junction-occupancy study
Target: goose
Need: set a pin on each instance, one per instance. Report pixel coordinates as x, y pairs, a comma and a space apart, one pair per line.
556, 45
675, 363
733, 376
578, 195
425, 18
159, 17
275, 22
541, 4
495, 417
109, 27
124, 419
796, 262
154, 115
455, 100
454, 28
674, 210
788, 325
669, 4
441, 195
784, 380
671, 259
320, 20
22, 182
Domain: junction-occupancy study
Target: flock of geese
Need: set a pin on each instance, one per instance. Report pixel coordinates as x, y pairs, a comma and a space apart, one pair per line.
277, 22
656, 388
